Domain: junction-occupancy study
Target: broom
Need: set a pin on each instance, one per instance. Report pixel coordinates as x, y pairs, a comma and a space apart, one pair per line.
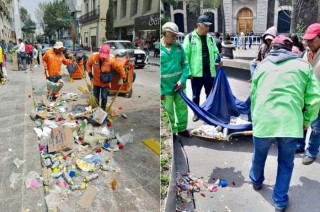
114, 98
92, 100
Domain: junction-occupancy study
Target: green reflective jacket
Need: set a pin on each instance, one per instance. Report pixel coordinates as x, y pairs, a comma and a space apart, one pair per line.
193, 49
173, 68
279, 93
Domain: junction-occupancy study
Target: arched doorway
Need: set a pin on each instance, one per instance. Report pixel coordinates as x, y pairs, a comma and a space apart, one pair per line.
284, 21
211, 19
245, 20
178, 19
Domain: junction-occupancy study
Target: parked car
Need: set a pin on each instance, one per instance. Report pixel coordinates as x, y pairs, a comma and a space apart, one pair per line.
44, 48
120, 47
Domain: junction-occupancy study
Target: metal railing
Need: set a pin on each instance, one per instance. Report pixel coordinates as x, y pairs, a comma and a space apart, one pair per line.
94, 14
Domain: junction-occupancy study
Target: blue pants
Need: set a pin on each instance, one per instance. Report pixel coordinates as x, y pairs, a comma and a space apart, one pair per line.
314, 141
197, 83
104, 95
286, 154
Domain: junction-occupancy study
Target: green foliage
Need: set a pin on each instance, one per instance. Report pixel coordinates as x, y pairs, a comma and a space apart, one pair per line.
110, 33
54, 17
171, 2
164, 180
29, 26
164, 160
163, 192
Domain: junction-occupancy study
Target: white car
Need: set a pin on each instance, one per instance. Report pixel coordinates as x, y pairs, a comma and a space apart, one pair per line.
120, 47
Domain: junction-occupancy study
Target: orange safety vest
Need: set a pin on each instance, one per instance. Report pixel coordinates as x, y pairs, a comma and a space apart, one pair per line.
93, 65
54, 61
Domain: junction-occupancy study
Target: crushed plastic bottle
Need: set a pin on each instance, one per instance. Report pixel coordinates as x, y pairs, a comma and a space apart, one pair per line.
67, 177
90, 177
79, 186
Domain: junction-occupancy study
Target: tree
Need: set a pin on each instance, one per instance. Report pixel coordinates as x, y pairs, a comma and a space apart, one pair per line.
29, 26
54, 18
110, 33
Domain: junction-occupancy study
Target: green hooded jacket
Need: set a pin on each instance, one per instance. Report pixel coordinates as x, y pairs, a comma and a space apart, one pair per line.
285, 96
173, 68
193, 49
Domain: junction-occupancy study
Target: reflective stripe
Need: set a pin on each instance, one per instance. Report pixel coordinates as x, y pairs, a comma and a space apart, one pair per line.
171, 75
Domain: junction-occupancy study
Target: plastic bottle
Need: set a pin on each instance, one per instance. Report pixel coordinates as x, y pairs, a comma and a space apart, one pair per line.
106, 167
79, 186
225, 132
67, 178
83, 126
114, 182
90, 177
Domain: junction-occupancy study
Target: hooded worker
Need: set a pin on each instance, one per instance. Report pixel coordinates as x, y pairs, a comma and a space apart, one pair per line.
99, 67
285, 99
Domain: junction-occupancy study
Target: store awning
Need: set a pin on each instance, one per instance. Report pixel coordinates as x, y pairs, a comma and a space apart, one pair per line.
148, 22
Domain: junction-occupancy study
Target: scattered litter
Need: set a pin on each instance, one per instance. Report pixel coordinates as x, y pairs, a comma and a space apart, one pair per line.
31, 180
14, 178
18, 162
123, 115
9, 150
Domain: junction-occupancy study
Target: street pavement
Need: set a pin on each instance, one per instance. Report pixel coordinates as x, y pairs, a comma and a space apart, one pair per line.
138, 181
232, 161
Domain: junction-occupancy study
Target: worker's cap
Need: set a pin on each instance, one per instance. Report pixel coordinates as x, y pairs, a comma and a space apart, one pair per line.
104, 51
203, 19
171, 27
269, 37
282, 42
312, 31
58, 45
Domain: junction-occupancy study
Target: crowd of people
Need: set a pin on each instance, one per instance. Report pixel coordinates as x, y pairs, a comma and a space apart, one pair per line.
285, 86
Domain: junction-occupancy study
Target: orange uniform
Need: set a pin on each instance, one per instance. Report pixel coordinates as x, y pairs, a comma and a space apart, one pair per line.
54, 61
93, 64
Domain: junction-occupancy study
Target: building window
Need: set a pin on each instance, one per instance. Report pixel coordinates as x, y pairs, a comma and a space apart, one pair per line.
146, 6
134, 7
87, 7
115, 9
123, 11
93, 4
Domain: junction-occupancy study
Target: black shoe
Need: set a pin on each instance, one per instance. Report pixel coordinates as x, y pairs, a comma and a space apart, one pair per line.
280, 210
256, 188
299, 151
185, 133
307, 160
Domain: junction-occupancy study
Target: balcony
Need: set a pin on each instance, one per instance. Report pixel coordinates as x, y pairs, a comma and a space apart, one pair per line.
92, 15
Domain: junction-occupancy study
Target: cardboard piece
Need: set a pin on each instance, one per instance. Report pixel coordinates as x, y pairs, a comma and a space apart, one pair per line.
99, 115
61, 139
87, 198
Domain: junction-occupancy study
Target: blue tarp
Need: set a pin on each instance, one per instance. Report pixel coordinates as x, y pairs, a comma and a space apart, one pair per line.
220, 105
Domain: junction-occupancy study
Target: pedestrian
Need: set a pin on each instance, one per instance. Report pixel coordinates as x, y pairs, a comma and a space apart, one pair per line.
201, 55
4, 48
52, 62
102, 63
274, 101
218, 41
236, 41
28, 50
227, 47
250, 37
174, 73
35, 54
3, 74
298, 47
22, 55
312, 55
264, 48
1, 61
38, 46
243, 40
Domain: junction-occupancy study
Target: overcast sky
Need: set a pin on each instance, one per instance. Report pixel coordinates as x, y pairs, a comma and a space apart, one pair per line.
31, 6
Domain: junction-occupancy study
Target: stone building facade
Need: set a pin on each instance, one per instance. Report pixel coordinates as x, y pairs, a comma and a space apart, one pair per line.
248, 15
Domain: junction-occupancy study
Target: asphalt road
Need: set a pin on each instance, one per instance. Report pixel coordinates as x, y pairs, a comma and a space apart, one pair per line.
232, 161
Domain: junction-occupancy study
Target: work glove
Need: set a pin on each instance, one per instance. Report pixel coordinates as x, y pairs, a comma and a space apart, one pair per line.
90, 75
125, 80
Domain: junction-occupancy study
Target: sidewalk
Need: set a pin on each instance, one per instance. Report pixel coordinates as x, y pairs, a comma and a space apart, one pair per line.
138, 181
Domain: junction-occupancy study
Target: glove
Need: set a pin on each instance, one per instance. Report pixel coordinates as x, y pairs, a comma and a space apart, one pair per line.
90, 75
124, 80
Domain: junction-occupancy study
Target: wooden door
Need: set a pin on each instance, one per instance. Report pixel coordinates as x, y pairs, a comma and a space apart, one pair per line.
245, 21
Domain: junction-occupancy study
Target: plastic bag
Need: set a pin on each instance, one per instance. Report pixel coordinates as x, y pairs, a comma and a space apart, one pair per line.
31, 180
18, 162
14, 178
125, 139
